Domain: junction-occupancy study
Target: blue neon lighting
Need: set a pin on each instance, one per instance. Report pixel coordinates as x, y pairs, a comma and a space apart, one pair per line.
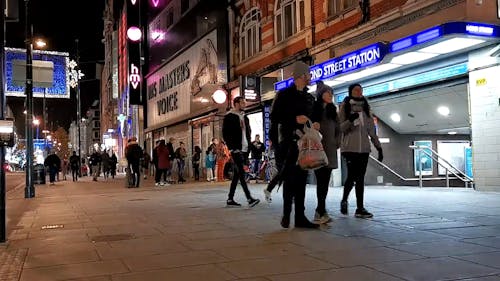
60, 86
428, 35
350, 62
410, 81
467, 28
418, 38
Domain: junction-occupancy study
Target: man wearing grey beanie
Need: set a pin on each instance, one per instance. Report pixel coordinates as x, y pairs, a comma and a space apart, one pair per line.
291, 109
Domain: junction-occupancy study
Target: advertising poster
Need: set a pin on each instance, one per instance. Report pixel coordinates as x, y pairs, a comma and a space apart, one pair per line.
454, 153
468, 161
421, 157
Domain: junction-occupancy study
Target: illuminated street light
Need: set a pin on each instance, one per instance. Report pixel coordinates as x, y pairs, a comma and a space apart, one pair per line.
36, 122
40, 43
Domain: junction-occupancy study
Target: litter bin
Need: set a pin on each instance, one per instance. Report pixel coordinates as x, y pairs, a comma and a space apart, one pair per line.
39, 174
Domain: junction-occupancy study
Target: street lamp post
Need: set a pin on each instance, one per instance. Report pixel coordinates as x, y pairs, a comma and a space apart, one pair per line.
42, 44
29, 191
75, 76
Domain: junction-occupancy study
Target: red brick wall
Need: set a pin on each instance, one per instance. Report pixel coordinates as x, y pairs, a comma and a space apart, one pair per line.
319, 13
377, 10
272, 58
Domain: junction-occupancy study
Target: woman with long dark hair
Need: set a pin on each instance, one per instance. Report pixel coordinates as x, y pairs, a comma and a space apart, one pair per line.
325, 114
358, 128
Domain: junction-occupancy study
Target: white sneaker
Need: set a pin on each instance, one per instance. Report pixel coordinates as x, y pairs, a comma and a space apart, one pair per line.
322, 219
157, 184
267, 195
162, 183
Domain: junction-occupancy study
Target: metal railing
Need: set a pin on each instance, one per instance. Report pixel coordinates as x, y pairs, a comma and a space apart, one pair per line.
420, 149
447, 166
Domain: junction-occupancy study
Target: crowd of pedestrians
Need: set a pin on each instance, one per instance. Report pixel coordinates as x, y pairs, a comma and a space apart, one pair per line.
237, 158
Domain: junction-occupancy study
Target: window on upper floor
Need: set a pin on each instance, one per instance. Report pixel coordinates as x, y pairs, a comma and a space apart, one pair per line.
336, 7
250, 34
289, 18
170, 17
184, 6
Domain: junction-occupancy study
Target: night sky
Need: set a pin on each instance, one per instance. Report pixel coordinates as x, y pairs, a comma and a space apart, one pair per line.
59, 23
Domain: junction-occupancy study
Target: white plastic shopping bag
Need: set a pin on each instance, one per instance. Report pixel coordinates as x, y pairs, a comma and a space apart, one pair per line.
311, 152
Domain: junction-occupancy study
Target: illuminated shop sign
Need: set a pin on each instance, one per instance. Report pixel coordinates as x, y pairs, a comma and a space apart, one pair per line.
350, 62
450, 28
134, 35
411, 81
134, 77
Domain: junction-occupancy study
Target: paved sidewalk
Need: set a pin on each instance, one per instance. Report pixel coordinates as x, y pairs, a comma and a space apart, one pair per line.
103, 231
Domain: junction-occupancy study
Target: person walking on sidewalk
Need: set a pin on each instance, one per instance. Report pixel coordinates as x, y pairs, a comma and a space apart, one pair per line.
222, 156
236, 134
162, 158
53, 162
196, 162
181, 154
74, 163
292, 108
358, 128
134, 155
95, 161
325, 114
105, 163
112, 164
145, 162
210, 160
257, 148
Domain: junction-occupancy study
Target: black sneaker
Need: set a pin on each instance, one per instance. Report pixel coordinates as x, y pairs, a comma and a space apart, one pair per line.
285, 222
363, 213
343, 207
305, 223
252, 202
232, 203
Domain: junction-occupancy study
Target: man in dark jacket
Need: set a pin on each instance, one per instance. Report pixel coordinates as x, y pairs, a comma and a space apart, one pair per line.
236, 134
134, 155
53, 162
291, 109
74, 163
257, 148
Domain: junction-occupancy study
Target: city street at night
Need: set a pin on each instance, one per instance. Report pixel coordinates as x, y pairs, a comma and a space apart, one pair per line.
282, 140
103, 231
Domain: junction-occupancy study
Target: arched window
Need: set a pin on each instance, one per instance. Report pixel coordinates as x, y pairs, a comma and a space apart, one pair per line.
250, 34
289, 18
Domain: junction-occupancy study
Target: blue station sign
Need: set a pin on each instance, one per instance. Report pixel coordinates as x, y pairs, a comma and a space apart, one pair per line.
350, 62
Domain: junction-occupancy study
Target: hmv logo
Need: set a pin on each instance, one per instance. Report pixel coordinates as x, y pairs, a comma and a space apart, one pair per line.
134, 77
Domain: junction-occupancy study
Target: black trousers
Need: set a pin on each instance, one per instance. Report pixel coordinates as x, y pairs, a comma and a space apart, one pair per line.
322, 181
159, 172
74, 173
239, 160
294, 183
136, 173
356, 170
196, 170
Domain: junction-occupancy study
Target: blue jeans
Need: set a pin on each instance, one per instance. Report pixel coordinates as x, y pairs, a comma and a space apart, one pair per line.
180, 164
